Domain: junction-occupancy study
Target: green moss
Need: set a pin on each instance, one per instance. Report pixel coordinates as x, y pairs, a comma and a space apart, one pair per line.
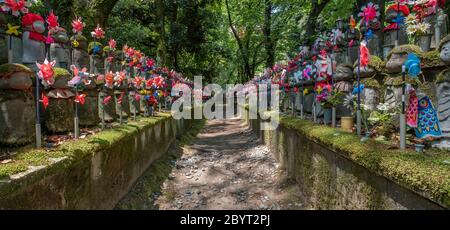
443, 76
371, 83
406, 49
375, 62
60, 72
397, 80
425, 174
76, 150
78, 38
8, 69
431, 59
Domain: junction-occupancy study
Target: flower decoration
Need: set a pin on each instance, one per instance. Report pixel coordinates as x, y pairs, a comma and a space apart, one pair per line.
16, 6
78, 25
98, 33
12, 30
120, 77
109, 80
46, 72
137, 82
80, 76
107, 100
412, 65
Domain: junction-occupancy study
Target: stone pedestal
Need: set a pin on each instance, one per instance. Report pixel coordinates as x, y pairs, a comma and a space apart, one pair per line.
124, 107
88, 113
59, 114
110, 108
61, 54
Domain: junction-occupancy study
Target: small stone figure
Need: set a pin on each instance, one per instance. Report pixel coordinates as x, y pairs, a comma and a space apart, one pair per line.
33, 42
443, 106
343, 81
395, 31
60, 110
16, 105
80, 56
59, 49
95, 51
397, 57
444, 49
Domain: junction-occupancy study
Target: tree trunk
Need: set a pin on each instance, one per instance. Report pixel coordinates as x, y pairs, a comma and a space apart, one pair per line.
242, 49
311, 23
160, 29
268, 40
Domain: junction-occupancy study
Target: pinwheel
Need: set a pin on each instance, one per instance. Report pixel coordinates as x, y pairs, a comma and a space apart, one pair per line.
16, 6
365, 55
357, 90
137, 82
412, 65
44, 100
370, 13
52, 20
78, 25
119, 78
98, 33
80, 99
109, 80
112, 44
106, 100
46, 73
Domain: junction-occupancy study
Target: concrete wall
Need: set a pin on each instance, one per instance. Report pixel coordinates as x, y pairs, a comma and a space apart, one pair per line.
331, 181
99, 180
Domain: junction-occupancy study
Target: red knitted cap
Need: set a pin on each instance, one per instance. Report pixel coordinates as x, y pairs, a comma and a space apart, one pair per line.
30, 18
403, 8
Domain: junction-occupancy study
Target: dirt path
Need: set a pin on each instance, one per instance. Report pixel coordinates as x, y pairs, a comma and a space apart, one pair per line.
226, 168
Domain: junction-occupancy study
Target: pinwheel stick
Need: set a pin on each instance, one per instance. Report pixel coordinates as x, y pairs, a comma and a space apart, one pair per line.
76, 119
333, 110
38, 119
358, 110
302, 98
10, 51
402, 115
398, 24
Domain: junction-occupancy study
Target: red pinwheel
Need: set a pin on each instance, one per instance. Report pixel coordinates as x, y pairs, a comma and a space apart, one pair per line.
370, 13
109, 80
44, 100
80, 99
98, 33
46, 72
78, 25
112, 44
137, 82
107, 100
16, 6
52, 20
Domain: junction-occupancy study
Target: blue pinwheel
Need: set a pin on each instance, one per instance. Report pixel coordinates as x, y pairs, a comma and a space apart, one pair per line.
369, 34
412, 65
357, 90
400, 20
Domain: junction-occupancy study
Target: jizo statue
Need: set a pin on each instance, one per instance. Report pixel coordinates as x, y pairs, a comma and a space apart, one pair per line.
33, 40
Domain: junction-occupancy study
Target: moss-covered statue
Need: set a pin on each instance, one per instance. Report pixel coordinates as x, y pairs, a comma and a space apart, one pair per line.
443, 106
106, 101
121, 95
59, 48
60, 110
444, 49
33, 40
370, 95
17, 105
96, 60
343, 81
80, 56
88, 109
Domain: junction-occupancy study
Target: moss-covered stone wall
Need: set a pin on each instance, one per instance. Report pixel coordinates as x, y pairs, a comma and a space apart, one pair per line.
93, 173
334, 170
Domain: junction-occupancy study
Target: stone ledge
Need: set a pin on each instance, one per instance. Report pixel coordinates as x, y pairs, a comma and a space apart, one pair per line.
426, 175
92, 173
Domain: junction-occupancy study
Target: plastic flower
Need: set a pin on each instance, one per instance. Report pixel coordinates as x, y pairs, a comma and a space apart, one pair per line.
78, 25
137, 82
383, 107
52, 20
16, 6
75, 44
120, 77
13, 30
423, 27
109, 80
46, 72
98, 33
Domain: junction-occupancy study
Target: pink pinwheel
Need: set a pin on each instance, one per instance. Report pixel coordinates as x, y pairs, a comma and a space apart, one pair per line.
46, 72
78, 25
370, 12
137, 82
79, 77
150, 62
137, 97
119, 78
98, 33
107, 100
112, 44
16, 6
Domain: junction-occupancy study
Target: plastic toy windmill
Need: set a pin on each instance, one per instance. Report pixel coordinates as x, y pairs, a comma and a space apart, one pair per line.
16, 6
46, 73
98, 33
78, 25
370, 13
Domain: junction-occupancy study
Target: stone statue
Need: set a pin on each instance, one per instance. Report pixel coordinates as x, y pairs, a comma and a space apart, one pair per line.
80, 56
88, 113
97, 62
443, 107
17, 105
444, 49
390, 32
33, 42
59, 50
375, 66
60, 111
397, 57
370, 95
343, 82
